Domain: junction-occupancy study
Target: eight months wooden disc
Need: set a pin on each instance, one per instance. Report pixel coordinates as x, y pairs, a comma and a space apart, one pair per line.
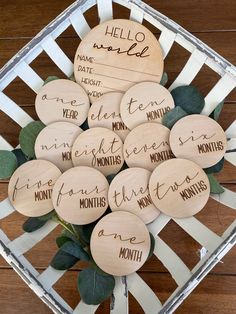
120, 243
129, 191
30, 187
115, 55
198, 138
80, 195
179, 188
62, 100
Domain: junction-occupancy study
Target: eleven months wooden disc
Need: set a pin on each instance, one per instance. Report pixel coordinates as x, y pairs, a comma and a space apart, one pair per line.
179, 188
54, 143
115, 55
120, 243
80, 195
30, 187
62, 100
129, 191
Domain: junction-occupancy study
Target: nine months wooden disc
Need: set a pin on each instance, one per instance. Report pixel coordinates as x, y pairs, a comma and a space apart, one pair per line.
80, 195
179, 188
115, 55
120, 243
30, 187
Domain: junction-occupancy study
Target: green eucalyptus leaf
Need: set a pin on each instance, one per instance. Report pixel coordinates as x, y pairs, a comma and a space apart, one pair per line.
85, 231
33, 224
85, 125
164, 79
152, 245
63, 260
216, 113
216, 168
172, 116
215, 187
8, 164
64, 237
50, 78
20, 156
110, 177
50, 216
93, 287
75, 249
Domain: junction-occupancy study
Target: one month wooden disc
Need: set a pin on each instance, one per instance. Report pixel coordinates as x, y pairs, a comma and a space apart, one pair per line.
115, 55
62, 100
120, 243
80, 195
198, 138
144, 102
129, 191
179, 188
30, 187
54, 143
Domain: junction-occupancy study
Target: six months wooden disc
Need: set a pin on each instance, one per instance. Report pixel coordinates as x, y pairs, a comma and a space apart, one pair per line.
116, 55
120, 243
80, 195
62, 100
144, 102
30, 187
179, 188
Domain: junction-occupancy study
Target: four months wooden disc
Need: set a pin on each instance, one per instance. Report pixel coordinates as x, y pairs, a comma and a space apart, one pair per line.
179, 188
147, 145
116, 55
144, 102
99, 148
120, 243
54, 143
80, 195
198, 138
129, 191
62, 100
30, 187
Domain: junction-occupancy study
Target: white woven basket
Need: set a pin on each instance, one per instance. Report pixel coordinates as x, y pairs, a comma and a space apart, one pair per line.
216, 246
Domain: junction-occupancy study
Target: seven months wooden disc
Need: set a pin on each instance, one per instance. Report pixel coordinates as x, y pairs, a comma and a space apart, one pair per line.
198, 138
179, 188
80, 195
120, 243
147, 145
105, 112
54, 143
99, 148
30, 187
129, 191
116, 55
144, 102
62, 100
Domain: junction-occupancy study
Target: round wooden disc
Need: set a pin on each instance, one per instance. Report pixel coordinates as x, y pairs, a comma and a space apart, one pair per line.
120, 243
179, 188
105, 112
54, 143
62, 100
144, 102
198, 138
30, 187
99, 148
129, 191
115, 55
147, 145
80, 195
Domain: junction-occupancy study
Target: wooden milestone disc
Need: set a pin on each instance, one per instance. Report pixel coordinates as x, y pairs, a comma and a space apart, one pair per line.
179, 188
147, 145
105, 112
99, 148
198, 138
115, 55
62, 100
129, 191
80, 195
30, 187
144, 102
54, 143
120, 243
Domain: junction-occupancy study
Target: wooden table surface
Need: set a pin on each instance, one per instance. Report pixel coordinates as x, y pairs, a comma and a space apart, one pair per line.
212, 21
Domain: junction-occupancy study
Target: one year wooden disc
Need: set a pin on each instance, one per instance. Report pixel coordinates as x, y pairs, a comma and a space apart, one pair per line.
179, 188
80, 195
115, 55
120, 243
129, 191
62, 100
30, 187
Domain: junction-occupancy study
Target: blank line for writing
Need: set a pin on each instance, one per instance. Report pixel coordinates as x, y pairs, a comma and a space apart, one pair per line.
116, 90
116, 78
